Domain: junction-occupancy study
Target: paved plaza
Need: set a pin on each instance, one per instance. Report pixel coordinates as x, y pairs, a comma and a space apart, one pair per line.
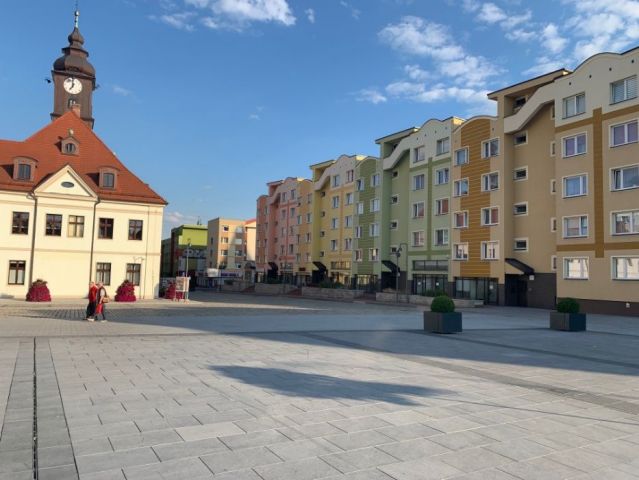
258, 388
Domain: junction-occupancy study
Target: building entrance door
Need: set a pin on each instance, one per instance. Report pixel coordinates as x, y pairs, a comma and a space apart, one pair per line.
516, 291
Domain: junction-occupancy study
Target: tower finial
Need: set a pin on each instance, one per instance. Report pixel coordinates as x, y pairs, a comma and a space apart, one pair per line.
76, 14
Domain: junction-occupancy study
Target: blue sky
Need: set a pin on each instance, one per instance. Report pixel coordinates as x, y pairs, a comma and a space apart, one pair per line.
207, 100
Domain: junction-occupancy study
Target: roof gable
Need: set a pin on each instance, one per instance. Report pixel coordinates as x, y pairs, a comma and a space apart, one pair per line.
45, 147
65, 182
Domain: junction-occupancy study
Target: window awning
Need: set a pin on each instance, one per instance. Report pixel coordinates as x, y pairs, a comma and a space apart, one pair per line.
391, 266
320, 266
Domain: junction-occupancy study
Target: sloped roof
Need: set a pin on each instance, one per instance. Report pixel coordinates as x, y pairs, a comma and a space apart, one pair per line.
44, 147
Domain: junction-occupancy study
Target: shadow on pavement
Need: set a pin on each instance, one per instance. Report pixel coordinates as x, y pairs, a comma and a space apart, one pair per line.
299, 384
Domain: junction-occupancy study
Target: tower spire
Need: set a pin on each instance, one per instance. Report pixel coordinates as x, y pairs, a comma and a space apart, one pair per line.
76, 15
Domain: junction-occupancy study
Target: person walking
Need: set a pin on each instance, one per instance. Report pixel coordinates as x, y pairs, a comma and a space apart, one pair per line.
91, 307
101, 299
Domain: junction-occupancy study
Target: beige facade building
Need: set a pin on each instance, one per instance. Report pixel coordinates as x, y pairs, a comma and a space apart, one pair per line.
72, 212
227, 245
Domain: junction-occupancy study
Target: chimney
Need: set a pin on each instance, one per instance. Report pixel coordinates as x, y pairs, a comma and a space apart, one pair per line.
75, 108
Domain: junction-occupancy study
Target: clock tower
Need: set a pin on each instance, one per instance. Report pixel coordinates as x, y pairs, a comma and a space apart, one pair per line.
74, 79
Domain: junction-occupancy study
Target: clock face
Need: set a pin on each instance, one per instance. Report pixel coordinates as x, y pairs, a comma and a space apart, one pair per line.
73, 85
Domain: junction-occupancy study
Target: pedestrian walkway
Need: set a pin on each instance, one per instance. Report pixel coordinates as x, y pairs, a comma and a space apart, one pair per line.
276, 389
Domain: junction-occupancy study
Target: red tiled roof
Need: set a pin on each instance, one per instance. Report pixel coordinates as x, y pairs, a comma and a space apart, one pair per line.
44, 147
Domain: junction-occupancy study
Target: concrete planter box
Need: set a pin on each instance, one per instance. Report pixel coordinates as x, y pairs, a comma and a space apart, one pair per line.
420, 300
568, 322
331, 293
436, 322
235, 287
274, 288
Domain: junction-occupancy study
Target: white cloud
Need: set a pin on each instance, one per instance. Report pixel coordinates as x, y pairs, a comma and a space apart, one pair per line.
254, 116
543, 65
179, 20
552, 40
119, 90
370, 95
415, 72
491, 13
177, 218
414, 35
355, 13
310, 15
227, 14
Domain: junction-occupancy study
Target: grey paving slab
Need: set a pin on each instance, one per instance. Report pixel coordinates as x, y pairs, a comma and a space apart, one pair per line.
190, 468
307, 469
255, 382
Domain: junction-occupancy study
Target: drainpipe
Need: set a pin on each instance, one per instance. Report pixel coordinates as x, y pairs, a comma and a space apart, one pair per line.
95, 207
32, 196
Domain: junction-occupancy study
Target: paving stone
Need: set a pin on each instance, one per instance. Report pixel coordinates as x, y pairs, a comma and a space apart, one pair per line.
408, 432
307, 469
461, 440
238, 475
352, 441
197, 448
66, 472
519, 449
106, 475
55, 456
221, 462
474, 459
413, 449
354, 460
113, 460
254, 439
300, 449
351, 425
422, 469
190, 468
211, 430
147, 439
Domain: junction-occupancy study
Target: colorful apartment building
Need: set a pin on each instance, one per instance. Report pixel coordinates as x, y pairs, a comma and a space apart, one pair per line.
186, 251
536, 203
416, 187
551, 208
366, 266
282, 249
227, 245
333, 211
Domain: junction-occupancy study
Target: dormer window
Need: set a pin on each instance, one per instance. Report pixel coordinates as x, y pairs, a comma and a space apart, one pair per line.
69, 145
23, 169
107, 178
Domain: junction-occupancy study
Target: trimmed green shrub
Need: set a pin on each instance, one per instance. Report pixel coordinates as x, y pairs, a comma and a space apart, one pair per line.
442, 304
330, 284
568, 305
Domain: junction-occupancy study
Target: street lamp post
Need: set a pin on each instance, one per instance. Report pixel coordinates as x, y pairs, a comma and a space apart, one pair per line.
398, 253
186, 273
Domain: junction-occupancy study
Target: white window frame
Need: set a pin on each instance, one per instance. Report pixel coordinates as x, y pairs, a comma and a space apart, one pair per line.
373, 230
335, 201
485, 143
553, 148
396, 222
375, 180
625, 125
437, 203
457, 191
465, 225
394, 199
493, 207
442, 146
349, 198
583, 182
418, 150
484, 250
460, 259
370, 254
612, 177
334, 245
625, 87
465, 149
334, 223
581, 235
374, 205
575, 136
613, 229
360, 208
358, 231
423, 182
520, 169
336, 180
446, 235
553, 186
613, 268
415, 208
447, 176
553, 224
358, 255
485, 186
520, 239
515, 209
565, 270
553, 263
564, 104
423, 238
348, 221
